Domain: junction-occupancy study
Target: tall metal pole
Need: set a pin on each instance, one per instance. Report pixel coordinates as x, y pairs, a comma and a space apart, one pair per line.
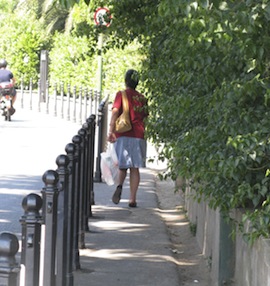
100, 62
99, 129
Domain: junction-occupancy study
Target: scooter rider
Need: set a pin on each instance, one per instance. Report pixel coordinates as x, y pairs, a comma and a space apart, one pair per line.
7, 76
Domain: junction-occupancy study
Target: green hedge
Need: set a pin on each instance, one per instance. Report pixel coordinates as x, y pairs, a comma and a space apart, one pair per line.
208, 73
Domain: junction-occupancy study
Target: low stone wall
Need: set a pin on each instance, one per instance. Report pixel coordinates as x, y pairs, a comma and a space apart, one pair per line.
252, 263
231, 262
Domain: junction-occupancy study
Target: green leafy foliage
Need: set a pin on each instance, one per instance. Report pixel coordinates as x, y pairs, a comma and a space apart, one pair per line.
71, 61
69, 3
207, 75
116, 62
22, 39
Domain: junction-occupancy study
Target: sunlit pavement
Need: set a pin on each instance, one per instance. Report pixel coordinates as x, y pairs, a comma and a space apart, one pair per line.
29, 145
125, 246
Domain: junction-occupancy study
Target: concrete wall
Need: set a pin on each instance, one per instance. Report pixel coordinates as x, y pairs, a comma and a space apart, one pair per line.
252, 267
232, 262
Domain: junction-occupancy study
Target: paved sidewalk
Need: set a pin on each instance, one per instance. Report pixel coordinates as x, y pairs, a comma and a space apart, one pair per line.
127, 246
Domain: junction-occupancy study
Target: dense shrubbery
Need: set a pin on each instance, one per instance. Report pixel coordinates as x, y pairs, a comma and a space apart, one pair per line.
21, 42
71, 61
211, 107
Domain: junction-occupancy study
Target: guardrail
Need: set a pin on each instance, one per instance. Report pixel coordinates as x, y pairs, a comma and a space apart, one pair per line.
67, 102
54, 223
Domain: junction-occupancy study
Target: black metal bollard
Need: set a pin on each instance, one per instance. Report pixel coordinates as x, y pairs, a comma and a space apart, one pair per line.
62, 162
9, 268
87, 208
83, 183
77, 160
92, 121
100, 138
31, 233
50, 197
71, 258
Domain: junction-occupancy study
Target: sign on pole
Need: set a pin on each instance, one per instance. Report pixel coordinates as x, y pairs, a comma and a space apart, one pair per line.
102, 17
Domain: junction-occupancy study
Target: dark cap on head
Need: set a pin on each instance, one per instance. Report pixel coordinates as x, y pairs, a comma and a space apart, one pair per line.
132, 78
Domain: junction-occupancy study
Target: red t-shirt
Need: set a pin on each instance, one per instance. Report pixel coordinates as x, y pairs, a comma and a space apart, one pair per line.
137, 111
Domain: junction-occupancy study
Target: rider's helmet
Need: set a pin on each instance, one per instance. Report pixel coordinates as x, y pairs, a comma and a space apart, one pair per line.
3, 63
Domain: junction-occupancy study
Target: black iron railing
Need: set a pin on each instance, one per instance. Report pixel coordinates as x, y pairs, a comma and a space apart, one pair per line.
54, 223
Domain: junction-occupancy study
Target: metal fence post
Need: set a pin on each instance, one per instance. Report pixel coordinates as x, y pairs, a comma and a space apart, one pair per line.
100, 138
74, 104
55, 99
62, 162
22, 93
39, 95
77, 159
91, 96
9, 268
31, 233
50, 196
85, 103
87, 208
47, 96
99, 150
70, 150
83, 197
31, 93
68, 102
80, 105
92, 121
62, 99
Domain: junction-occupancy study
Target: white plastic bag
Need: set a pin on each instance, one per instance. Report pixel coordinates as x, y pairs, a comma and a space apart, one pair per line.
109, 165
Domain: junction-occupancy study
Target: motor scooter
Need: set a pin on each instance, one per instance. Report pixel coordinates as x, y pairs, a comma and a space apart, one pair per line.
7, 91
